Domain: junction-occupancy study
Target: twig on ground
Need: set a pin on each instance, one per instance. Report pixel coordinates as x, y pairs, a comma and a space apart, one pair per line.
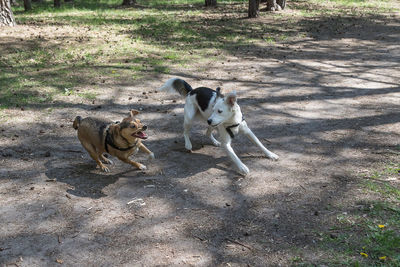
303, 187
387, 151
199, 238
377, 180
238, 243
72, 150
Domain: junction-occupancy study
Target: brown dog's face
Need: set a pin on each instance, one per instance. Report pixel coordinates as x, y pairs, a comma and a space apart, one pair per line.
131, 128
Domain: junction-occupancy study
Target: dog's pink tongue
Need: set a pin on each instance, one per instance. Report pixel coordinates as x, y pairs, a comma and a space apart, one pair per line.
142, 135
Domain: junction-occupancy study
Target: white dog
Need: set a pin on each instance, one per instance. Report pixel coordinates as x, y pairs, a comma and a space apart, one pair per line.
220, 112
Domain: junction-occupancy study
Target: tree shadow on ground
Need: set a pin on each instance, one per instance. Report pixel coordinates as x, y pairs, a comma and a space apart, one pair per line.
218, 218
237, 228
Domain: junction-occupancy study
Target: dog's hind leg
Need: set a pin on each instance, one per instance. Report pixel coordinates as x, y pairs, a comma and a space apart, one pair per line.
105, 160
190, 114
93, 153
211, 136
246, 130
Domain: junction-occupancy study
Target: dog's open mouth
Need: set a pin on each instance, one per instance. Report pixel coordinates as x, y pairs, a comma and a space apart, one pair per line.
140, 135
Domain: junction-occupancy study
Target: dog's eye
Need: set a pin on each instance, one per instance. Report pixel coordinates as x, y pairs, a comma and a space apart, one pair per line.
133, 126
219, 111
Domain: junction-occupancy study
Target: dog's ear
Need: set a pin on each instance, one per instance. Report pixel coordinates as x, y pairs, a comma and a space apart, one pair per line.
115, 129
231, 98
219, 92
134, 112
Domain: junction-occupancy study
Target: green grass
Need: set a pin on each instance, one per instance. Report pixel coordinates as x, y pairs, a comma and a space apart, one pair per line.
369, 236
368, 233
381, 5
86, 42
377, 183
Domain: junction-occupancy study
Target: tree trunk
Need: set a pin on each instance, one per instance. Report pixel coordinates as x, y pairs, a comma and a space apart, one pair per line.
27, 5
254, 8
276, 5
128, 2
211, 3
6, 14
281, 3
57, 3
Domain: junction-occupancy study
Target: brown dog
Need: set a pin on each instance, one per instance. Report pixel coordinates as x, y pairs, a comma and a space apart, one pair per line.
121, 139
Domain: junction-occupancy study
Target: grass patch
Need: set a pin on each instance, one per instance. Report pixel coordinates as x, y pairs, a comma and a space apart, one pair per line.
379, 181
367, 234
84, 43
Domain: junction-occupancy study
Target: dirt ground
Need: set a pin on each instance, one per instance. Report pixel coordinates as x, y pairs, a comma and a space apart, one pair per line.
329, 106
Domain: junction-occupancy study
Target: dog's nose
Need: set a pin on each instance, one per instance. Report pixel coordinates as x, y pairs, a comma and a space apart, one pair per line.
144, 127
209, 121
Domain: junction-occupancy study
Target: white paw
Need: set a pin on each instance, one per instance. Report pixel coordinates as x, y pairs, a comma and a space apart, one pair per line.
243, 169
142, 167
216, 143
273, 156
151, 156
188, 146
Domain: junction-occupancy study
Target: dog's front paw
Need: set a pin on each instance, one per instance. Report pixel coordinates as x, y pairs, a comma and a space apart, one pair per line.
151, 156
243, 169
273, 156
104, 169
108, 161
142, 167
216, 143
188, 146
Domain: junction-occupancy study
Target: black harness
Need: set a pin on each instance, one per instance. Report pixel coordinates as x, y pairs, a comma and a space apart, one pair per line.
228, 129
110, 141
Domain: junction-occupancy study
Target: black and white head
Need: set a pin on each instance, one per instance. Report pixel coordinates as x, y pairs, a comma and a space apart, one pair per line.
224, 109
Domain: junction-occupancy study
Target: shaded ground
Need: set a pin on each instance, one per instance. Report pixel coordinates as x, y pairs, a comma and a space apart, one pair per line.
328, 105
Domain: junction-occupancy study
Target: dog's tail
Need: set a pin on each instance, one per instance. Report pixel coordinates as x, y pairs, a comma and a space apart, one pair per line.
176, 85
77, 122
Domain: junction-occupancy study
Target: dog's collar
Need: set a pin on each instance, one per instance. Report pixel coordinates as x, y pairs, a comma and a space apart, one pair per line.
228, 129
110, 141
